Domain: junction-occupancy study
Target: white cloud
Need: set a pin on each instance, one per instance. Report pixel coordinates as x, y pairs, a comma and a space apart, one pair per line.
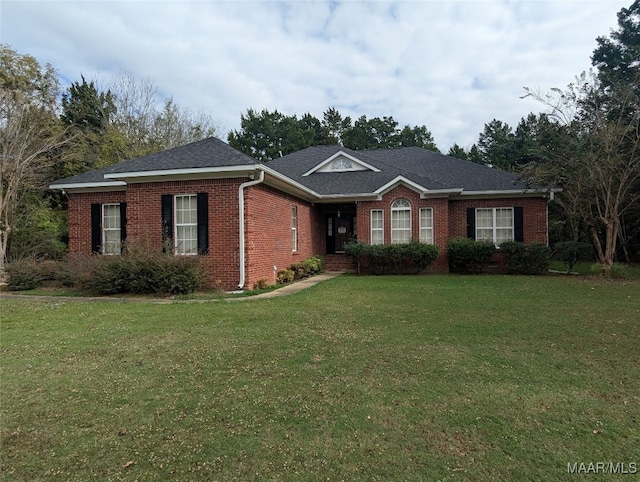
452, 66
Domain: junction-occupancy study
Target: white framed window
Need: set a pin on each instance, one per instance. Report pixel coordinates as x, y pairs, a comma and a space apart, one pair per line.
341, 164
377, 226
494, 224
186, 224
400, 221
426, 225
111, 229
294, 228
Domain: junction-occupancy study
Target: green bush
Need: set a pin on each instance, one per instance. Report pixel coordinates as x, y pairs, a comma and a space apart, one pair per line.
526, 258
468, 256
358, 252
421, 255
571, 252
285, 276
261, 284
412, 257
302, 269
76, 270
145, 273
313, 265
24, 274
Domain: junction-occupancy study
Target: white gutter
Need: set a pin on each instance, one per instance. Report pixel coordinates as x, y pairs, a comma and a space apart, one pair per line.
173, 172
241, 223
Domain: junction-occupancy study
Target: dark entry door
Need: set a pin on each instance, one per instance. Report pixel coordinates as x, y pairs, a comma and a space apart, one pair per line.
343, 233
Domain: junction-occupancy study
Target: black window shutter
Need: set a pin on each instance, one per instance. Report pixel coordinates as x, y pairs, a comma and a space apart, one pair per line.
96, 232
123, 222
518, 225
167, 220
203, 223
471, 223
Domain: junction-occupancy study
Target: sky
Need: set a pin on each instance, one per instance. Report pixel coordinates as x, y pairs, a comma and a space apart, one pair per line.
452, 66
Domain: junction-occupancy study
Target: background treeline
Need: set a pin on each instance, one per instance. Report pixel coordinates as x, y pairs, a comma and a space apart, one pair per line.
586, 141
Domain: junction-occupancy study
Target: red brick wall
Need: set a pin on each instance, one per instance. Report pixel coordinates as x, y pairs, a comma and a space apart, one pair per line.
450, 218
144, 221
440, 220
268, 240
267, 225
534, 212
80, 217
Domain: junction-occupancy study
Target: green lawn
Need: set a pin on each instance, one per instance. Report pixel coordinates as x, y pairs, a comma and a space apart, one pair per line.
357, 378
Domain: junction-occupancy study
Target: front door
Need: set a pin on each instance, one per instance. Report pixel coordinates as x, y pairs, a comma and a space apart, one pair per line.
343, 233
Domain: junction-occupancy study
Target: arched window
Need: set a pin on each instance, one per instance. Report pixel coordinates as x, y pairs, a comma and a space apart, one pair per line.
400, 221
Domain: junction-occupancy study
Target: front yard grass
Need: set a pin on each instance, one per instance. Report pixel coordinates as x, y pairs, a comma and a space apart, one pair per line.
357, 378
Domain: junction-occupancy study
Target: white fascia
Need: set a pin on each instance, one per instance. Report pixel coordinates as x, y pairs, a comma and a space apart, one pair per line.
365, 196
508, 193
179, 172
341, 154
89, 185
281, 177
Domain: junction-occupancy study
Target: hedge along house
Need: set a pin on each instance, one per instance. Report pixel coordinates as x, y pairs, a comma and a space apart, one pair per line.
247, 220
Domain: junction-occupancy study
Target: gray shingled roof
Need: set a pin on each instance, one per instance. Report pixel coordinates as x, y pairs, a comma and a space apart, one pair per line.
429, 169
209, 152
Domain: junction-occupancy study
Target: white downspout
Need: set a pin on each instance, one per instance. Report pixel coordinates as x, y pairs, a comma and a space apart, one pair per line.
241, 223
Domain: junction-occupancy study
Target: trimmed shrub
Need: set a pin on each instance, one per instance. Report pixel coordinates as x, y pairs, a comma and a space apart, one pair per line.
571, 252
76, 270
313, 265
407, 258
302, 269
526, 258
468, 256
285, 276
145, 273
359, 252
24, 274
261, 284
421, 255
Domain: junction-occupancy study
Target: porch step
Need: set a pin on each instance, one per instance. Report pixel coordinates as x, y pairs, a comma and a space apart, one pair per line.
338, 262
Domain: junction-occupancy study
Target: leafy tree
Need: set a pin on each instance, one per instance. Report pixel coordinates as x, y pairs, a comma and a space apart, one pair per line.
371, 133
143, 129
29, 133
534, 136
334, 126
87, 113
418, 136
496, 145
459, 152
39, 227
474, 154
87, 109
617, 58
597, 161
174, 126
312, 129
268, 135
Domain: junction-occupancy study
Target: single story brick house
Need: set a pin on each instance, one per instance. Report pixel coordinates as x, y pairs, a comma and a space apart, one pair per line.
248, 219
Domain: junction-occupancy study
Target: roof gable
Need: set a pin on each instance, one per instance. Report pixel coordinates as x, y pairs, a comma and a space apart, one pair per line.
424, 171
341, 162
